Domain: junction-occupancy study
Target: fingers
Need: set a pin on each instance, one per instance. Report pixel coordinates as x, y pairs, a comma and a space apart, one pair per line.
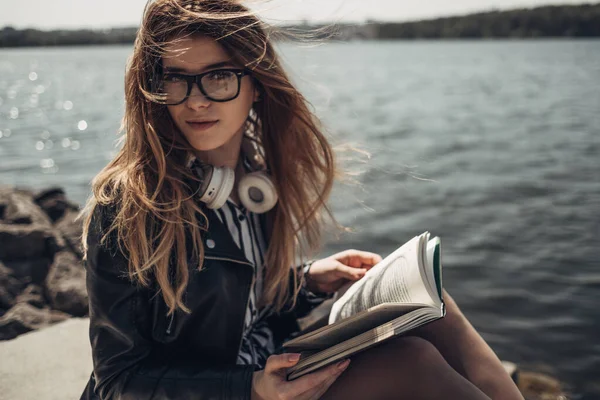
329, 375
344, 271
318, 391
358, 258
310, 386
325, 387
277, 362
306, 386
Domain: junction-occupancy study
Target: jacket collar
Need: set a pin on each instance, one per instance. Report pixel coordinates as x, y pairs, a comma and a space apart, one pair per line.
217, 239
218, 242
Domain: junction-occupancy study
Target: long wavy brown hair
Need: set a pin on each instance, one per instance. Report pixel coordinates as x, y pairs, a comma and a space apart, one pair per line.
146, 180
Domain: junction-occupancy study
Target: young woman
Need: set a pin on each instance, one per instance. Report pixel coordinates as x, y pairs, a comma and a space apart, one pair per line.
193, 229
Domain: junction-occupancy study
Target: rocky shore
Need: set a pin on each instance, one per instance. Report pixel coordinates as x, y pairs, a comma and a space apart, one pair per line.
42, 280
42, 283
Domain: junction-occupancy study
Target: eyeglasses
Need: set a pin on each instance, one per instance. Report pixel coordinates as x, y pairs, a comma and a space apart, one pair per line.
218, 85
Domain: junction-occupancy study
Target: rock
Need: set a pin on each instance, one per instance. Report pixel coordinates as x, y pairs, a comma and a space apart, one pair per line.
51, 364
6, 193
54, 203
56, 243
538, 386
33, 294
10, 287
39, 234
3, 206
20, 209
22, 242
24, 317
30, 271
65, 285
71, 229
512, 370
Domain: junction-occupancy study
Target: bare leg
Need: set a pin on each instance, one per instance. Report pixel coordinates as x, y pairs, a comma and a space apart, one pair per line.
466, 351
402, 368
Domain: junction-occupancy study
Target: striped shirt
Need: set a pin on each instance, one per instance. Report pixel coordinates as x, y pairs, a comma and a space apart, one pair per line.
245, 230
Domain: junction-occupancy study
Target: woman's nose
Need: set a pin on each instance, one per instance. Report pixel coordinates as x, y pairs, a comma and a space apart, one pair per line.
196, 98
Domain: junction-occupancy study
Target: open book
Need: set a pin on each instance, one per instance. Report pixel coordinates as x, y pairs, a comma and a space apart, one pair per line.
402, 292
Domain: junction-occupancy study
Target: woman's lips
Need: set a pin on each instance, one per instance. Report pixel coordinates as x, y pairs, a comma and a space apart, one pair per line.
201, 126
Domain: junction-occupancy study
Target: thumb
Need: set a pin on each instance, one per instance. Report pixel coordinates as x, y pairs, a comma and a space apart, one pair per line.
280, 361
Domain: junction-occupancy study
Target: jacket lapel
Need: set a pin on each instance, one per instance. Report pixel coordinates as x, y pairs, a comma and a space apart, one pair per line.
218, 242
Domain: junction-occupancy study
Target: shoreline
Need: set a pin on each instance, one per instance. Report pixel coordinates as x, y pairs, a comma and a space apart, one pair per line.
549, 21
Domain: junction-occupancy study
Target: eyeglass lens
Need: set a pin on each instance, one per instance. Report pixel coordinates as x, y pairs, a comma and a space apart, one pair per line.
217, 85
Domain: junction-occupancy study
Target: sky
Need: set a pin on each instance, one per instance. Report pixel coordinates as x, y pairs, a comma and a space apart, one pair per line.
97, 14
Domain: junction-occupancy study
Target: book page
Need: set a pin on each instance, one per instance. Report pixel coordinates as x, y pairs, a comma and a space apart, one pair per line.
343, 330
396, 279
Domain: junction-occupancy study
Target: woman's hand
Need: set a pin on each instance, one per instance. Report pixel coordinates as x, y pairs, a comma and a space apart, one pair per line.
329, 274
271, 383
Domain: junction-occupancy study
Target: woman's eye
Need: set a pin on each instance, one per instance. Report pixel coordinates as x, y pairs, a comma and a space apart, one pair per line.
219, 75
172, 78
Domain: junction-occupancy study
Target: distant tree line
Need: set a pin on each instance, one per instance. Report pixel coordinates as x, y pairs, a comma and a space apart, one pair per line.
548, 21
10, 37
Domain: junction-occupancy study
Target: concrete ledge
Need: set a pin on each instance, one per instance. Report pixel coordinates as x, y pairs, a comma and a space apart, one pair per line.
52, 364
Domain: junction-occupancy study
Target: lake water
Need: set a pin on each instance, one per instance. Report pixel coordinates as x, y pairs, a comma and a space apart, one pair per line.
494, 146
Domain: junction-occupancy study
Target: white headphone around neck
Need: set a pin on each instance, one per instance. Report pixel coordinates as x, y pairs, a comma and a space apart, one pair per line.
256, 189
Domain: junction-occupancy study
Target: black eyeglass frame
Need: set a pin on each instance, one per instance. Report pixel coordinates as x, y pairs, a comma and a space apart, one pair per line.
197, 79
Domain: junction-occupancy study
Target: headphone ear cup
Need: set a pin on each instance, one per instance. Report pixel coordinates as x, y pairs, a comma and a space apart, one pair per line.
257, 192
217, 186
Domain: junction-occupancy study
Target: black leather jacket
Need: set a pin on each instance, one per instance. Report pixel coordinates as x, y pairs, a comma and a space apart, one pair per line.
140, 353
